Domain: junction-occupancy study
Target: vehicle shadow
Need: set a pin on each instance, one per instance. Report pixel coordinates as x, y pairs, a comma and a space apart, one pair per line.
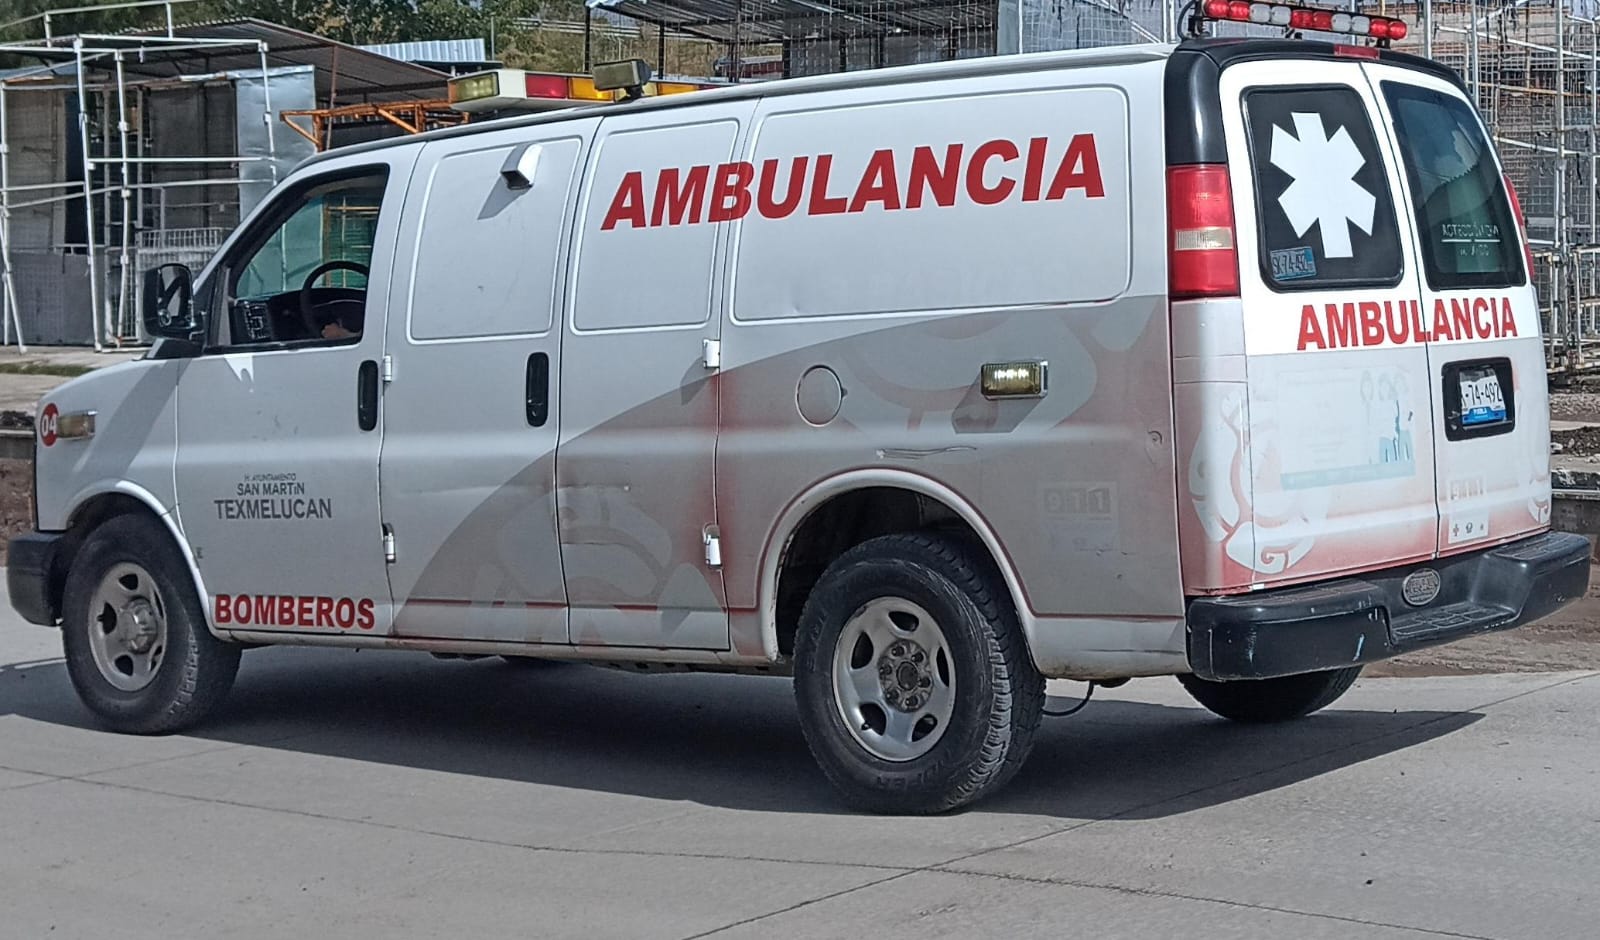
724, 741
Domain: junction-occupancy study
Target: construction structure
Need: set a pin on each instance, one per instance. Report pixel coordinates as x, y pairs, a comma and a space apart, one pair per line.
121, 152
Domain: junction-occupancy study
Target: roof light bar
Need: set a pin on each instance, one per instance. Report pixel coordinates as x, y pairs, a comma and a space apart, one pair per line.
1294, 17
515, 89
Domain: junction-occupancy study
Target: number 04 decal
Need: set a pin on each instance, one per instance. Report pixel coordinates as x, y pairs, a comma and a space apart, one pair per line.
48, 421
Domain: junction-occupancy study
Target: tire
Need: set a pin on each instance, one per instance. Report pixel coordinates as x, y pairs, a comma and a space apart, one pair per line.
145, 662
1264, 701
976, 713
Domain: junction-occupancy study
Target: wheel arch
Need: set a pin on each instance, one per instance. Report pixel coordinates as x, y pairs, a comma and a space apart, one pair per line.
94, 506
838, 513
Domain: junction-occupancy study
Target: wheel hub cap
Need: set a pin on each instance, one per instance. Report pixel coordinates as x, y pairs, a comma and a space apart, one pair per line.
892, 679
127, 627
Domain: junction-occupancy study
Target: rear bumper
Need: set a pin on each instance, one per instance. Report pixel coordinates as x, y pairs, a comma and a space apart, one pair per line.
1366, 619
30, 561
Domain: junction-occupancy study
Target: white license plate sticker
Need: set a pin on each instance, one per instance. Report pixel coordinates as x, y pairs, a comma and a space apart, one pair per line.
1482, 400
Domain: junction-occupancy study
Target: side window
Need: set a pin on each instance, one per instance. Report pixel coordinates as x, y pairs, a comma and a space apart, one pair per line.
301, 276
1323, 205
1468, 234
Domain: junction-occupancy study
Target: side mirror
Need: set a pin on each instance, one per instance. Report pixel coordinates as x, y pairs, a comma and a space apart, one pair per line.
168, 305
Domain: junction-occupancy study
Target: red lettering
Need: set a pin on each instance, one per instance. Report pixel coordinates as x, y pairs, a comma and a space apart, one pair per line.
1485, 326
1342, 326
1441, 321
1403, 333
241, 609
223, 605
303, 612
791, 198
1461, 317
821, 202
1371, 324
1310, 329
1418, 328
365, 620
324, 611
263, 608
344, 613
990, 195
1508, 321
628, 203
1080, 169
677, 198
1033, 177
928, 176
730, 199
878, 183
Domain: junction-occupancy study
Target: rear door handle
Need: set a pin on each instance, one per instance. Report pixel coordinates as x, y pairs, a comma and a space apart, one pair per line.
367, 395
537, 390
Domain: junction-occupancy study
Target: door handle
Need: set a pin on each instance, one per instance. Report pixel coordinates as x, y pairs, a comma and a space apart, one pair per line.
538, 390
367, 395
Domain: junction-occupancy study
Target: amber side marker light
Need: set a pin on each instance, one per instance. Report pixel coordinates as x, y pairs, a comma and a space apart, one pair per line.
1014, 379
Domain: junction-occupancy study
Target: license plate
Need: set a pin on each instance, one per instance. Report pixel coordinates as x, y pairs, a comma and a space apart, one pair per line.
1482, 400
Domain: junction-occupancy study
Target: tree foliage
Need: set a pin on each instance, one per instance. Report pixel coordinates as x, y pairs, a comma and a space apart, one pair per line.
519, 41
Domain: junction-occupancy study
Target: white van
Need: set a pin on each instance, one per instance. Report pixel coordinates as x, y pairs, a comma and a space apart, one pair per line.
922, 385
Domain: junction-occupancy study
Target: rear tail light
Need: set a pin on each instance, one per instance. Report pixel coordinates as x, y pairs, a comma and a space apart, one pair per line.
1203, 258
1522, 225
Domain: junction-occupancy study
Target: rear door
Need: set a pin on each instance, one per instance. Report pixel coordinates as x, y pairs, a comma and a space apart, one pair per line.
1338, 459
1485, 355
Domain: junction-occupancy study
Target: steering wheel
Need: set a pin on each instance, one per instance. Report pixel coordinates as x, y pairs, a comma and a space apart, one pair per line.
307, 313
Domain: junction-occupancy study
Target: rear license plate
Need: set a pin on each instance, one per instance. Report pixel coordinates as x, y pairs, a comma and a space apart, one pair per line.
1482, 400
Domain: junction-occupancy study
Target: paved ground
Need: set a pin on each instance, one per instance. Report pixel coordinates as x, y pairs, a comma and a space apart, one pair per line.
22, 392
390, 795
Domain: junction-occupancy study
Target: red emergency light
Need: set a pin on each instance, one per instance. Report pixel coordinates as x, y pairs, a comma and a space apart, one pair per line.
1292, 17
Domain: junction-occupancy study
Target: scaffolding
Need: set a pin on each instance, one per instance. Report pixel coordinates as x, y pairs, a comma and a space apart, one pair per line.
113, 182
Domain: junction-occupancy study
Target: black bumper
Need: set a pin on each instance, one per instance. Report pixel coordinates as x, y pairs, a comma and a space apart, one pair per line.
30, 568
1362, 620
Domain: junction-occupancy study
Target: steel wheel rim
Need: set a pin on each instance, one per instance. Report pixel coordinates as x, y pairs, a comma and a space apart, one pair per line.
127, 627
894, 679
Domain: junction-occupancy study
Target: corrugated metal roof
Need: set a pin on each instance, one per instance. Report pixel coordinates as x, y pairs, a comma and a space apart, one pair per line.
433, 50
775, 20
348, 74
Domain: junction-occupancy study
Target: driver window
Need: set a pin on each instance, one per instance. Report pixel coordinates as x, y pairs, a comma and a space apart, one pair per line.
304, 279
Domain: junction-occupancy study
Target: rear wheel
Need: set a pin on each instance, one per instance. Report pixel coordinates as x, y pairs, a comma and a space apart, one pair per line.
1262, 701
914, 685
134, 634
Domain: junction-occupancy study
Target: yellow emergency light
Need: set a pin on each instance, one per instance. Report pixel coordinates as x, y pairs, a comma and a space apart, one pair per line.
515, 89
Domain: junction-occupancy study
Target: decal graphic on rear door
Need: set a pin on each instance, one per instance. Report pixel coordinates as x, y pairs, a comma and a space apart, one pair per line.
1324, 191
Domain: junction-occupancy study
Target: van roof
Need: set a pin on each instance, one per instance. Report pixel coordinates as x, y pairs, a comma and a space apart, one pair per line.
896, 75
1218, 52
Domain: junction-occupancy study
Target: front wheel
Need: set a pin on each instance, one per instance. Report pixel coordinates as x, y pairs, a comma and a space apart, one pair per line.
914, 684
134, 634
1262, 701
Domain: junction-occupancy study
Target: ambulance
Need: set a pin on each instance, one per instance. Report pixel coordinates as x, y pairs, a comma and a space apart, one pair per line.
1218, 360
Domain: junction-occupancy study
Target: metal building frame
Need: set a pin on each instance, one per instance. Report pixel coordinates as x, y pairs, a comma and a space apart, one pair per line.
100, 65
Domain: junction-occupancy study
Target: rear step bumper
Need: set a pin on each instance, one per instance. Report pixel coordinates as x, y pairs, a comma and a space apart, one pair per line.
1361, 620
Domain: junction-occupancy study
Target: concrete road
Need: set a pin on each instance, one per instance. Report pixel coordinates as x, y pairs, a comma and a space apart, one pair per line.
389, 795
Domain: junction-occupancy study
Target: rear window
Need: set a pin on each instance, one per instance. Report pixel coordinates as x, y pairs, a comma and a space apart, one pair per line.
1468, 234
1323, 205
